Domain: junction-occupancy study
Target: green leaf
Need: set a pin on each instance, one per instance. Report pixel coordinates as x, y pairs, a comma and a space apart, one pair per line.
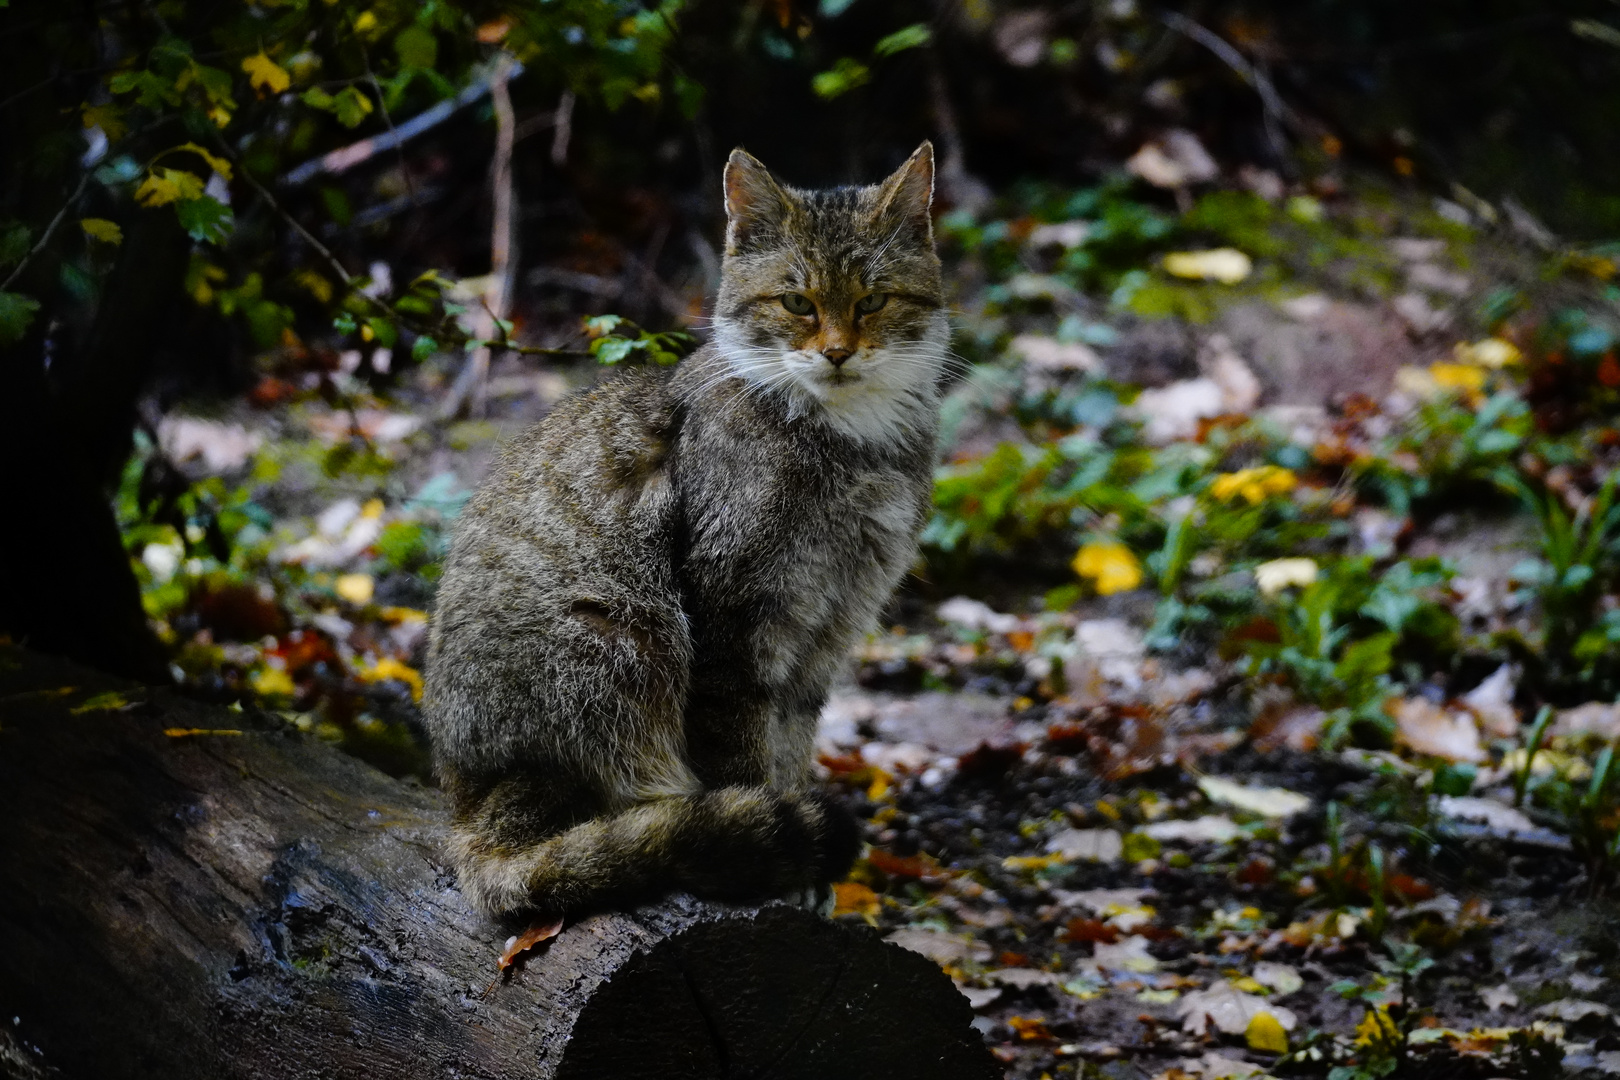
351, 106
13, 243
611, 350
844, 76
423, 348
16, 312
382, 330
910, 37
206, 219
416, 48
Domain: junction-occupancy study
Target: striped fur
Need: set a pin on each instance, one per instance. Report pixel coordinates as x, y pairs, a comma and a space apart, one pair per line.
648, 597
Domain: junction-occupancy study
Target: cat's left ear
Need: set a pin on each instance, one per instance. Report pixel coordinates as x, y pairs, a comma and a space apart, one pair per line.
908, 194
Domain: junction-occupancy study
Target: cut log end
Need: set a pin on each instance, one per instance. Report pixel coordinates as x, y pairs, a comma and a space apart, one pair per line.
188, 903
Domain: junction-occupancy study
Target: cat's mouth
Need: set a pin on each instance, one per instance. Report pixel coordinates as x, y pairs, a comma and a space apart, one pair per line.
840, 377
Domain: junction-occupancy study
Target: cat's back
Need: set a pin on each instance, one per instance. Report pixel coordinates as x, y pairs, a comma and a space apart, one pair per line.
578, 496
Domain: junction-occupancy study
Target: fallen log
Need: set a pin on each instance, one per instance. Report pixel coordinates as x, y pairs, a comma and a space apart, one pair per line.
195, 892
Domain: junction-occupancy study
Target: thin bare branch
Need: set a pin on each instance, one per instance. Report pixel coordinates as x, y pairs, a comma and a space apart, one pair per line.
347, 157
467, 393
45, 237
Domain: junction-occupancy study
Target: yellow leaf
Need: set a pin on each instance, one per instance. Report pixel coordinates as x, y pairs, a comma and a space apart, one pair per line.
273, 682
108, 702
220, 115
101, 229
355, 588
1253, 484
163, 186
1021, 863
265, 74
316, 285
853, 898
1266, 1033
1110, 565
1458, 376
109, 118
215, 162
1377, 1028
389, 668
1225, 265
157, 190
366, 22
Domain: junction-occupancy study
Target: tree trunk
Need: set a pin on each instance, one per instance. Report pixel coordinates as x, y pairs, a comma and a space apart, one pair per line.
197, 892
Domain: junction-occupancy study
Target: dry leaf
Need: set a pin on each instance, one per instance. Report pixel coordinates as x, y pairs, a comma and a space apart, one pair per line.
1225, 265
1210, 829
1279, 574
1427, 728
1230, 1010
1171, 413
522, 943
1495, 815
1271, 802
1281, 978
938, 946
1050, 354
853, 898
1087, 845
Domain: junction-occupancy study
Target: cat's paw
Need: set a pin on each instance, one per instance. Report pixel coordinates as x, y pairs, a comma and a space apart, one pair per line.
817, 899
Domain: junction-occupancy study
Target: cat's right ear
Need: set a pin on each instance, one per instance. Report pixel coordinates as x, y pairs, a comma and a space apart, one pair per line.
755, 202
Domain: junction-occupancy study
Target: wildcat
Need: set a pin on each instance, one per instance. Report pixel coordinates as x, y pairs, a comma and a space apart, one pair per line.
649, 595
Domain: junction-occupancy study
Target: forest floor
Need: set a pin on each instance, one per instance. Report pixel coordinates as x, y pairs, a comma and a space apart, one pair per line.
1251, 711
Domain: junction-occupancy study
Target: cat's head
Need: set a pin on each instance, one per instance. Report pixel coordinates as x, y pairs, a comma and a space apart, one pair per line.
833, 298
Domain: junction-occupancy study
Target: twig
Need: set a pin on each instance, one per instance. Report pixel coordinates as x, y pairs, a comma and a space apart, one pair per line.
1272, 105
467, 394
45, 237
388, 122
347, 157
504, 343
562, 129
276, 208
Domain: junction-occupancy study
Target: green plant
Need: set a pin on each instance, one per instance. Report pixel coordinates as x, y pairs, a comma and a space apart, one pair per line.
1578, 561
1445, 448
1336, 641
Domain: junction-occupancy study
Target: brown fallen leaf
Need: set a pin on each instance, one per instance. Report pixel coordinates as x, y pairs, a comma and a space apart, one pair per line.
853, 898
522, 943
187, 732
1029, 1028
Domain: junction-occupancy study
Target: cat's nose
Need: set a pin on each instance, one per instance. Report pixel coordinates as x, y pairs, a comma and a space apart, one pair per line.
836, 356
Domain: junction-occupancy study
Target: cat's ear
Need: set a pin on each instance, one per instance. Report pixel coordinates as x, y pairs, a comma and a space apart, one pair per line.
755, 203
905, 197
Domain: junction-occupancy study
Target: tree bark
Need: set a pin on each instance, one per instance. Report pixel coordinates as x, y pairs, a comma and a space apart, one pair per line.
198, 892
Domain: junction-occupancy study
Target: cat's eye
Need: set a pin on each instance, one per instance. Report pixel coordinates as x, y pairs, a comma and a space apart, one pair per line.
798, 303
871, 302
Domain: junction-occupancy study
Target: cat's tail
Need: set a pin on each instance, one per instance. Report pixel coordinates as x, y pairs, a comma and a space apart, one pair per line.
734, 843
